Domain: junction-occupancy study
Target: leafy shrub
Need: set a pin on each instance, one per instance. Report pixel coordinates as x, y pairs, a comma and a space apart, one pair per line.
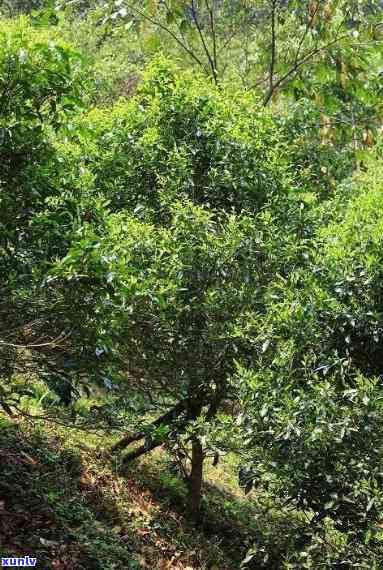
38, 85
39, 88
167, 297
315, 402
180, 138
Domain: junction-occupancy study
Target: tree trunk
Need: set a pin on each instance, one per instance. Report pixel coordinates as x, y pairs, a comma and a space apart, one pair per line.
195, 480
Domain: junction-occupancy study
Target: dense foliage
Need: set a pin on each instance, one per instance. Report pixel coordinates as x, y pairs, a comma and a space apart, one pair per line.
198, 243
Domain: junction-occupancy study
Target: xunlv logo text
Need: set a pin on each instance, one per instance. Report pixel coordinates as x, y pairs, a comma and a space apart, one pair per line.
25, 561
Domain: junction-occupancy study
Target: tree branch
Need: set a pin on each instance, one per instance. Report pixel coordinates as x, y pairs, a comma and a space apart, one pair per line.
165, 419
304, 35
211, 12
204, 44
273, 44
171, 33
136, 453
54, 342
297, 65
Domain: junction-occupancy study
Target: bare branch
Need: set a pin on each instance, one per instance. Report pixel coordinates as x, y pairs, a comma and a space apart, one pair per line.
145, 448
211, 12
304, 35
204, 44
54, 342
273, 44
171, 33
165, 419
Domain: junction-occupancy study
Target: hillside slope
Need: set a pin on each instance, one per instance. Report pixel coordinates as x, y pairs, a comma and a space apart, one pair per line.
64, 501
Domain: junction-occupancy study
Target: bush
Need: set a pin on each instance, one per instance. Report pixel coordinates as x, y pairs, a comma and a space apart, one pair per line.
39, 88
314, 404
180, 138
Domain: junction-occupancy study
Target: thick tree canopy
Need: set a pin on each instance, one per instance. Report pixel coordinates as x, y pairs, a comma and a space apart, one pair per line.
191, 228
